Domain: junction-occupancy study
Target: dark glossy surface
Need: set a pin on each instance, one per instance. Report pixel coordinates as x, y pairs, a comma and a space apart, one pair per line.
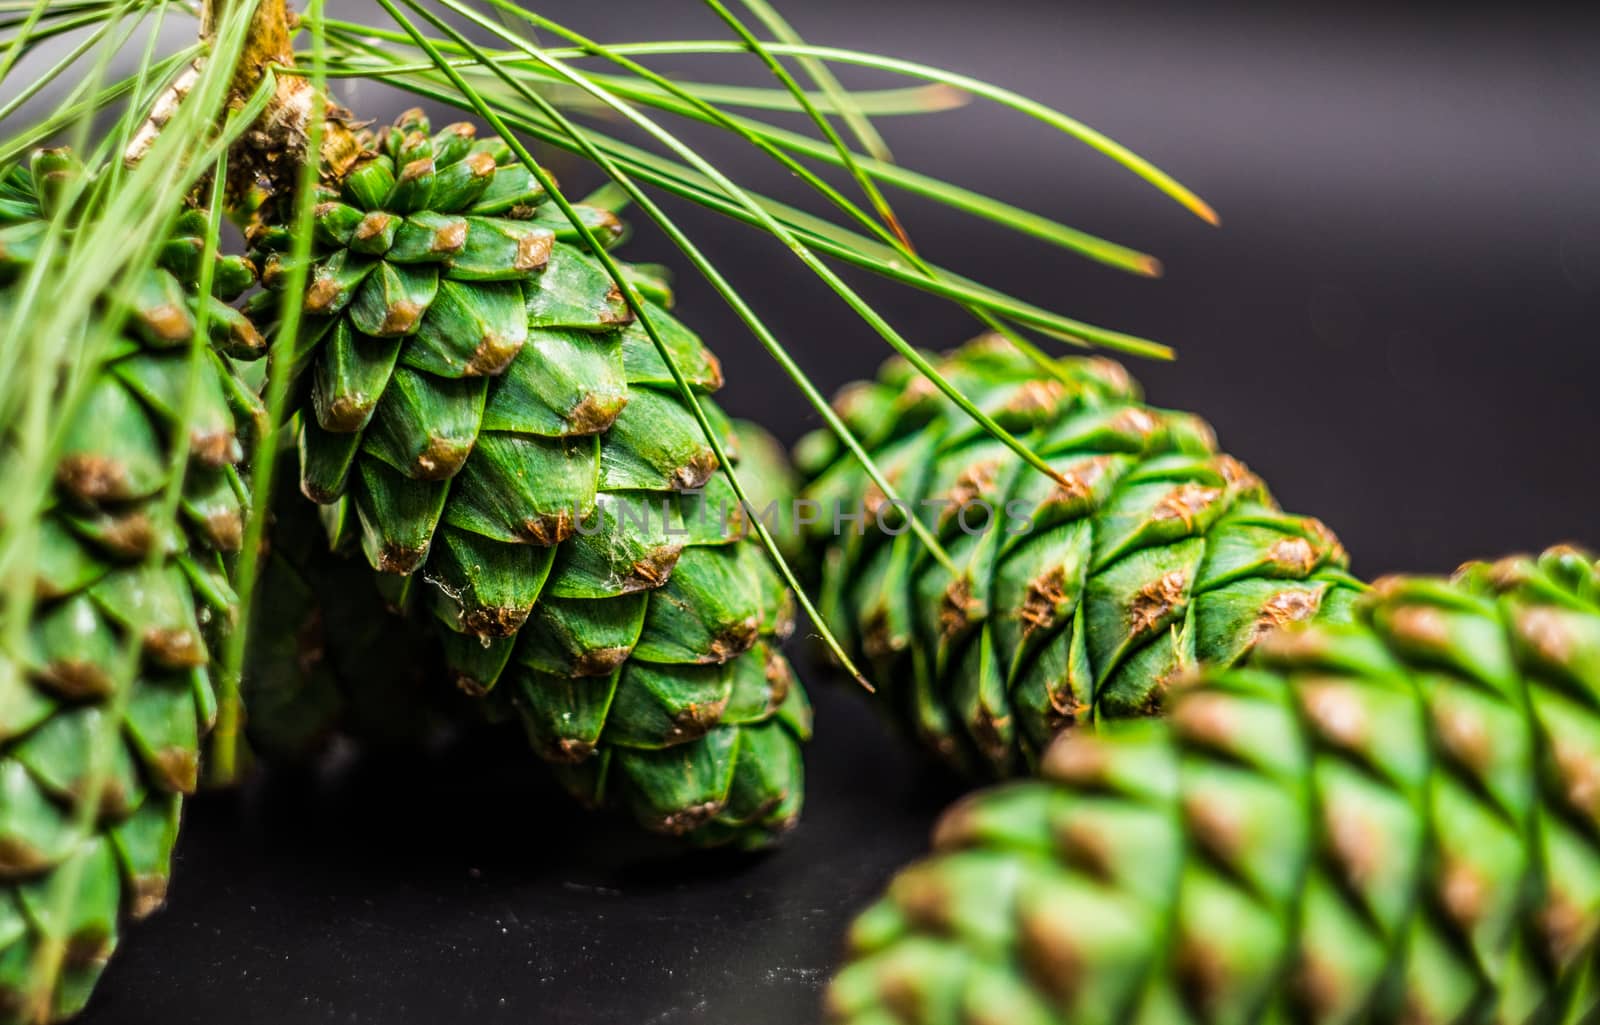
388, 891
1399, 328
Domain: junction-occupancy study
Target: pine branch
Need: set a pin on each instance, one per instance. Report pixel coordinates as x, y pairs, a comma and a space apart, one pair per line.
265, 165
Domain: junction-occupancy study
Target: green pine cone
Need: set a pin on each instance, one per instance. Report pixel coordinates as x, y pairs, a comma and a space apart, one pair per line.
510, 450
1390, 820
1075, 600
113, 579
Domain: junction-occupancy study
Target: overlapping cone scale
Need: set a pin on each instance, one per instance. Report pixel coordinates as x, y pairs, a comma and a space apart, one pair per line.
1388, 820
107, 700
1075, 598
483, 416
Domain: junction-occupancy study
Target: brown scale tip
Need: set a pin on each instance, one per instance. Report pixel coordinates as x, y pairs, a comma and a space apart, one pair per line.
18, 860
176, 768
496, 621
689, 818
1335, 710
1546, 634
493, 353
1579, 774
873, 499
1420, 627
695, 472
1463, 734
441, 459
1048, 945
855, 394
694, 720
877, 639
1113, 375
1284, 608
1076, 483
323, 292
1077, 759
393, 557
244, 339
128, 536
733, 639
87, 948
1390, 586
1293, 555
1085, 849
1156, 600
451, 238
1185, 502
988, 734
346, 412
900, 990
168, 322
958, 826
548, 528
533, 252
113, 797
600, 661
1317, 985
923, 895
1564, 926
1036, 397
714, 379
957, 607
175, 648
1134, 420
1332, 549
215, 448
1234, 473
780, 678
1504, 574
319, 495
595, 413
610, 225
983, 344
1205, 719
1067, 709
77, 679
569, 751
401, 317
1463, 891
1202, 973
1293, 645
480, 163
974, 482
916, 390
1355, 843
653, 569
1215, 826
225, 530
93, 478
147, 893
417, 169
372, 226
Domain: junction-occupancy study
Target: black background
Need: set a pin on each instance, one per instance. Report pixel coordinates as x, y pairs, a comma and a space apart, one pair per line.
1396, 327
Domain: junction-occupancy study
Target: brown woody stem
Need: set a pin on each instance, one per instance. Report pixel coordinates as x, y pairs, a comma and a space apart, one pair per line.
263, 167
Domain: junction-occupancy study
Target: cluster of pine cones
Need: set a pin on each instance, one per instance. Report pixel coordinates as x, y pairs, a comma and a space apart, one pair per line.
1329, 801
